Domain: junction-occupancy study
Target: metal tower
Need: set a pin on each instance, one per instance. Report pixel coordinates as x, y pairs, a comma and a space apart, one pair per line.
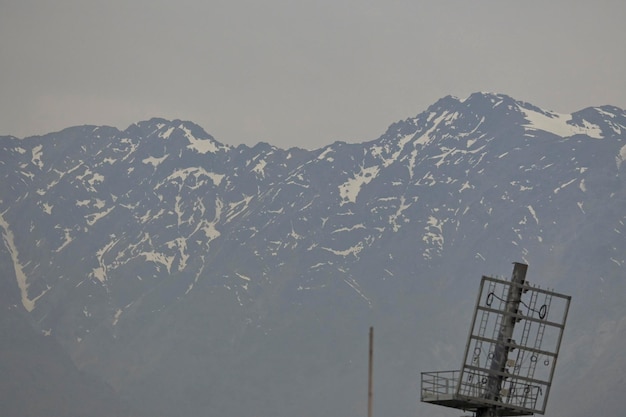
510, 354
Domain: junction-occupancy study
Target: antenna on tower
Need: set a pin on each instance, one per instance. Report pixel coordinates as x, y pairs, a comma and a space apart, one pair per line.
511, 351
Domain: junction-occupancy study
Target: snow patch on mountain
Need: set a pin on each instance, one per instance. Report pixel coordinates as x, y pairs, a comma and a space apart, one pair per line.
94, 217
559, 124
167, 133
394, 218
259, 168
621, 157
37, 153
100, 272
154, 161
238, 207
117, 315
200, 145
9, 242
325, 153
565, 184
159, 258
381, 152
180, 244
355, 286
348, 229
433, 236
533, 213
426, 138
47, 208
243, 277
196, 173
349, 190
66, 240
353, 250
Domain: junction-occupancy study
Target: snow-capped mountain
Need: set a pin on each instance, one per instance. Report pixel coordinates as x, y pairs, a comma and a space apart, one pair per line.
197, 278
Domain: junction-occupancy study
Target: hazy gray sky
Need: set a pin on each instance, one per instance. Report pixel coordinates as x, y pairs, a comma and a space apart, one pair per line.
297, 73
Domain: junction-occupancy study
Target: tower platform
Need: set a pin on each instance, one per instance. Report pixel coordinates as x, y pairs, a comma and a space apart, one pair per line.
441, 388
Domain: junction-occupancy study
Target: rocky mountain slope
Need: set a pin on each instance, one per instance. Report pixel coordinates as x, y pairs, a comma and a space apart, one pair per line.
197, 278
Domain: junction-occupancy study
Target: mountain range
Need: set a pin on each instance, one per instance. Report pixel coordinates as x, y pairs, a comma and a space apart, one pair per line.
156, 271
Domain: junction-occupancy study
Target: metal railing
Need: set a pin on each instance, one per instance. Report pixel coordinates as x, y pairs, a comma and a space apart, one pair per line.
439, 385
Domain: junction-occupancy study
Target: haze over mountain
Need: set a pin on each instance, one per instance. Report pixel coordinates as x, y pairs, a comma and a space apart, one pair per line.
196, 278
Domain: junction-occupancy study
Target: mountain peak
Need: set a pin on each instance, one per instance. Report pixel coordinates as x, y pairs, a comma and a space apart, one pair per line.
488, 100
198, 139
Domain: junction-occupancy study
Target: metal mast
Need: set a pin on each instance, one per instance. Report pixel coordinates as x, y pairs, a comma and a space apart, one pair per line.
507, 369
370, 392
505, 335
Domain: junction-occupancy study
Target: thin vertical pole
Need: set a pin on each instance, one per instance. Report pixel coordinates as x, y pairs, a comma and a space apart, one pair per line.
370, 393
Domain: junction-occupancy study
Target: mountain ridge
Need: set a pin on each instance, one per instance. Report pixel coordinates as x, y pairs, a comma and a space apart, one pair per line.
137, 245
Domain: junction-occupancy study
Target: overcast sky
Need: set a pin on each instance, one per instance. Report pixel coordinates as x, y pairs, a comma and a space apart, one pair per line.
301, 72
